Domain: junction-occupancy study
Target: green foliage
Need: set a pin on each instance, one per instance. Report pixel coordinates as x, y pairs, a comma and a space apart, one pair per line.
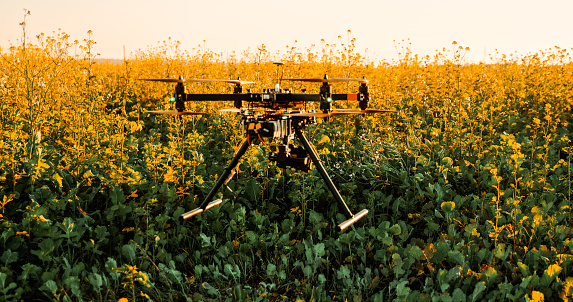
468, 187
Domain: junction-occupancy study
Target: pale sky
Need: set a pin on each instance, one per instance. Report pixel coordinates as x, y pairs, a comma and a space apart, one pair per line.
510, 26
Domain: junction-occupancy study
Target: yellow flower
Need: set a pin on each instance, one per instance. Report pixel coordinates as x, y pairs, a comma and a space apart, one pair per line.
536, 121
169, 178
553, 270
23, 233
537, 296
568, 289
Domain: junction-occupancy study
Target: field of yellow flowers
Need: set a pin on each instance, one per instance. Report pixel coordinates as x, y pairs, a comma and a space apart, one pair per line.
468, 186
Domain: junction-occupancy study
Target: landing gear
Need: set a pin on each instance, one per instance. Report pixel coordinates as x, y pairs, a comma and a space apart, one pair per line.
287, 155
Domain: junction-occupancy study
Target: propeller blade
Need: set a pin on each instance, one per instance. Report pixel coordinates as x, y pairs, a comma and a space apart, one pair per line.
359, 111
162, 80
238, 82
315, 114
362, 81
231, 110
175, 112
336, 112
332, 80
246, 110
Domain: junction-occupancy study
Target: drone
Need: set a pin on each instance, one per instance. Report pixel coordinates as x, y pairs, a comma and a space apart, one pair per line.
277, 115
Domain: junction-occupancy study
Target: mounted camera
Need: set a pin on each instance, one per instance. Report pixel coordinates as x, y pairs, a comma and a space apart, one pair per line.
289, 156
273, 129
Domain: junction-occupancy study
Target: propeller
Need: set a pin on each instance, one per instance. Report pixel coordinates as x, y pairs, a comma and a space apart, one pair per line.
336, 112
329, 80
231, 110
181, 80
164, 80
359, 111
243, 110
175, 112
315, 114
236, 82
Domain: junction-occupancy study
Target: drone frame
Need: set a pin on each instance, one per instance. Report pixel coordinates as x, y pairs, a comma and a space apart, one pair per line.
280, 122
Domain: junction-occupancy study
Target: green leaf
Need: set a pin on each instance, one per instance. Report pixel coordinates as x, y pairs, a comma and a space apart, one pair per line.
308, 252
50, 285
439, 193
253, 189
525, 282
6, 234
198, 270
101, 232
343, 272
319, 250
395, 230
523, 268
499, 251
240, 295
308, 271
73, 282
416, 252
29, 269
3, 279
454, 273
456, 257
397, 264
480, 287
251, 236
210, 289
315, 218
230, 271
206, 240
271, 269
440, 253
448, 206
111, 266
387, 241
96, 281
402, 290
9, 257
458, 296
443, 280
282, 275
550, 274
491, 274
117, 196
47, 246
68, 226
128, 252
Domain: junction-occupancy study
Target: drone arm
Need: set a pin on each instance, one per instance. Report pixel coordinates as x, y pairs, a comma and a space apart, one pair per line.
218, 97
362, 97
207, 204
347, 97
298, 97
257, 97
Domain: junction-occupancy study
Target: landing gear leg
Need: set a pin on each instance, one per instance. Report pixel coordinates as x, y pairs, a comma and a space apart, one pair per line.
318, 163
207, 203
